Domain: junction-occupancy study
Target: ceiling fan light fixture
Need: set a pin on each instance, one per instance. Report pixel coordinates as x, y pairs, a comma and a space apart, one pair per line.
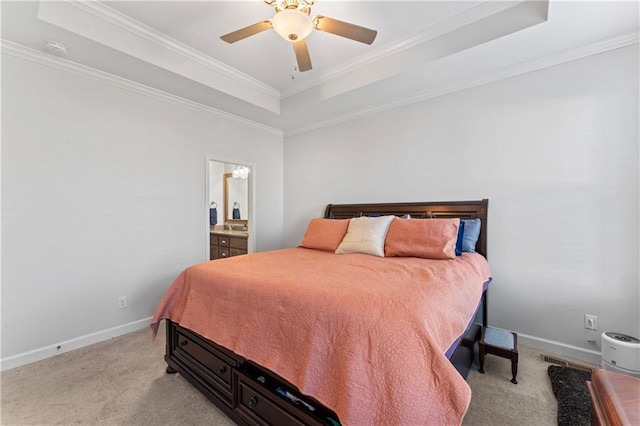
292, 24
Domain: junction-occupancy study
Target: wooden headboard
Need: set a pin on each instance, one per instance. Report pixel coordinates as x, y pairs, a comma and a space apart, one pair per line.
426, 210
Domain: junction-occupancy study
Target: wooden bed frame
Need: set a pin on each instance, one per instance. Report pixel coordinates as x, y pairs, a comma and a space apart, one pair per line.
246, 391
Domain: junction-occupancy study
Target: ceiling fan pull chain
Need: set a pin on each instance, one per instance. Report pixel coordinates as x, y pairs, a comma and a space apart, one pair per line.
294, 63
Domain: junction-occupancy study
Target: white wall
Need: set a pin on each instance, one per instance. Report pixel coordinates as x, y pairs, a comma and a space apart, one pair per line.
103, 195
556, 153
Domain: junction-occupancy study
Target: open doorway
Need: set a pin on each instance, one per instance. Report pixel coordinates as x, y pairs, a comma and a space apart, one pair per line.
230, 213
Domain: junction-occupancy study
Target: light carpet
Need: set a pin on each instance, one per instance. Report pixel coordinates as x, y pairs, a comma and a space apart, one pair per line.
122, 381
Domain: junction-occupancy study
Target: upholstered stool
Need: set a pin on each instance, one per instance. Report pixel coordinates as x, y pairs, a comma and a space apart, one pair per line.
502, 343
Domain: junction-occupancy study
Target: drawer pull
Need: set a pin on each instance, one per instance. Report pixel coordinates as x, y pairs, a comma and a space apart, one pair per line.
224, 254
183, 343
223, 242
222, 370
253, 402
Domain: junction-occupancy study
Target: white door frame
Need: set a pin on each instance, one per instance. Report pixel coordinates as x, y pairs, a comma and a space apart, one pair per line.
251, 222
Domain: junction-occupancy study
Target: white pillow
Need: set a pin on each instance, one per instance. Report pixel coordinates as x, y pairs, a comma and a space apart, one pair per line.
366, 235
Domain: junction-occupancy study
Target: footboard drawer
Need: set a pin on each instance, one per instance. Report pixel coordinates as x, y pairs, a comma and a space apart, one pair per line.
205, 361
248, 394
258, 406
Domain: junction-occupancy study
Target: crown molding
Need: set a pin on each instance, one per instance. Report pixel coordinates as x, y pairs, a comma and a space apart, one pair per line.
504, 73
139, 29
33, 55
29, 54
443, 27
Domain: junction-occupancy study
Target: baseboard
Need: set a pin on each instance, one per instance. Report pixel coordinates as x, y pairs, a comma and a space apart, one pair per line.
586, 355
69, 345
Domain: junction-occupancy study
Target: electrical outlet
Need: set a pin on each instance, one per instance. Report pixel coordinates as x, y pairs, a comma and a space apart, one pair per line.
590, 322
122, 302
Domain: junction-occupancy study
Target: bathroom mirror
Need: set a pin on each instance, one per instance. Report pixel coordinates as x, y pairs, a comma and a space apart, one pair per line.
236, 199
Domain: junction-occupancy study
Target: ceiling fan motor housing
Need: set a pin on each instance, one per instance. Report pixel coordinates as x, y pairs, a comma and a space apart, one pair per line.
301, 5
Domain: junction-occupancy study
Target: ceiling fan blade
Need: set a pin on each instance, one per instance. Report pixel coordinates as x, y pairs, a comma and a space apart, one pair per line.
344, 29
302, 55
245, 32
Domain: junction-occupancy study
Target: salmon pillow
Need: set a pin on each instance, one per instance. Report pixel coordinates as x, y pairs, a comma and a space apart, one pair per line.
325, 234
426, 238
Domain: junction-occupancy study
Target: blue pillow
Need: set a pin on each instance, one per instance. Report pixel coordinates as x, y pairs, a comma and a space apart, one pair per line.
459, 241
471, 234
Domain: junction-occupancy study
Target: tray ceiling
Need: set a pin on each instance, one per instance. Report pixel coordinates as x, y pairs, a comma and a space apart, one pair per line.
423, 49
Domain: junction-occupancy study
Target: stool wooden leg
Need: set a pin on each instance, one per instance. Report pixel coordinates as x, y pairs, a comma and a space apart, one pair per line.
481, 350
514, 368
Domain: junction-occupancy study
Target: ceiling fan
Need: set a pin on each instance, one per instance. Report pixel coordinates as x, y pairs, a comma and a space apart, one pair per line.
293, 23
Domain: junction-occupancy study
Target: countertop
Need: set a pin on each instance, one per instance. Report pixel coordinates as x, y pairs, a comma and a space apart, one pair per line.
228, 232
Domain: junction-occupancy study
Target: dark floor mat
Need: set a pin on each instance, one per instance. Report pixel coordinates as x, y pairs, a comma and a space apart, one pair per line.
570, 388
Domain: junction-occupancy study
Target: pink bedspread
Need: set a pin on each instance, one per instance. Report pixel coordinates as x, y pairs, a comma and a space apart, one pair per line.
364, 335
